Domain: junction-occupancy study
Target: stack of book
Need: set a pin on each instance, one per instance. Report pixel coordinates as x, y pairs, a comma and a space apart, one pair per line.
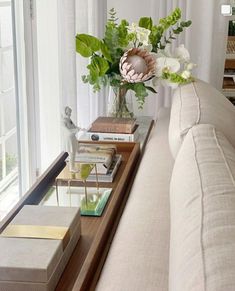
104, 156
113, 129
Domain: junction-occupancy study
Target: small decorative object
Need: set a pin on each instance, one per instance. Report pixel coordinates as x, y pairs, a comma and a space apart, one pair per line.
69, 136
39, 242
92, 205
85, 170
91, 200
89, 159
136, 57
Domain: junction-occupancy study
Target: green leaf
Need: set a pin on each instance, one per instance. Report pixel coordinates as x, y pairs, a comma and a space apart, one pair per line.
123, 37
188, 23
86, 44
176, 78
102, 64
94, 74
105, 52
140, 93
151, 89
111, 40
146, 22
177, 13
176, 31
83, 49
112, 15
85, 79
98, 67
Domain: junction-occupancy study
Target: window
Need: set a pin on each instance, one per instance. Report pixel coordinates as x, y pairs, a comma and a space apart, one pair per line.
13, 176
37, 57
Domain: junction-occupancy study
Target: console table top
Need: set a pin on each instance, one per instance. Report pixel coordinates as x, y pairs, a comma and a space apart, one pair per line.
84, 267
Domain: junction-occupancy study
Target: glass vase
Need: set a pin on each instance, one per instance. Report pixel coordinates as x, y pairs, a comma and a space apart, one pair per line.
120, 103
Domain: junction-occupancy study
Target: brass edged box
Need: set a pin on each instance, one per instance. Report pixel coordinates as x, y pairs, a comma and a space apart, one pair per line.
36, 246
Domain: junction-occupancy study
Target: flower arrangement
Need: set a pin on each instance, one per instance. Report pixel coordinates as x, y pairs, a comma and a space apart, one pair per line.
137, 56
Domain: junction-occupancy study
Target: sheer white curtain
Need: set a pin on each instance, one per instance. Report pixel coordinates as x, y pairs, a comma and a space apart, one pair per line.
66, 11
51, 74
91, 17
205, 39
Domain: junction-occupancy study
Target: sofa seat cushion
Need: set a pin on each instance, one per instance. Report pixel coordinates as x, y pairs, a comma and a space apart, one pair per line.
199, 103
139, 254
202, 201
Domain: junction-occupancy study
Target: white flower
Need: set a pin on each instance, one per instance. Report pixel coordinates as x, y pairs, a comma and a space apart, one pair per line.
132, 28
142, 34
186, 74
172, 65
182, 53
190, 66
148, 47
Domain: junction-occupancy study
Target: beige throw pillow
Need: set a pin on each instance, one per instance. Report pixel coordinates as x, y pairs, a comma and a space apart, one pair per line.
202, 202
199, 103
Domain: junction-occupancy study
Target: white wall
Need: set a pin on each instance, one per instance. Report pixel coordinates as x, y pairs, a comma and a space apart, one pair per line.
131, 10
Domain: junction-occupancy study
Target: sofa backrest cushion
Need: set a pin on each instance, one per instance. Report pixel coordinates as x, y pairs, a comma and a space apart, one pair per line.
199, 103
202, 203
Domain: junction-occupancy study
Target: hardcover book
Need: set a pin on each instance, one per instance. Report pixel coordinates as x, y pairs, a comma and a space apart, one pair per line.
96, 153
101, 168
109, 136
114, 125
110, 174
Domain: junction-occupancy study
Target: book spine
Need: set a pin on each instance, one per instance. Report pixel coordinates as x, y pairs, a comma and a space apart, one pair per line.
86, 158
115, 128
95, 153
102, 136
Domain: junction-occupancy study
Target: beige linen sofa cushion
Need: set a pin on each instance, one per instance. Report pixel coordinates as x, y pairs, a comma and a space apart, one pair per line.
198, 103
139, 254
202, 204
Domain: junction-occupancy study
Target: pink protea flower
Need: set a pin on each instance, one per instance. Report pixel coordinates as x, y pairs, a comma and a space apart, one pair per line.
137, 65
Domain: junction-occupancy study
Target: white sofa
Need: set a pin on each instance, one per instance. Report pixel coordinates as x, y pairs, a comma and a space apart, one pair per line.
177, 231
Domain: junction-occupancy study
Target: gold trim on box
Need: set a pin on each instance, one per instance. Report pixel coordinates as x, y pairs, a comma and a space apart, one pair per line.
38, 232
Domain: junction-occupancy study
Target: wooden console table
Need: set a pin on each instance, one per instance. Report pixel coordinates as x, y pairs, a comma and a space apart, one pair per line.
85, 265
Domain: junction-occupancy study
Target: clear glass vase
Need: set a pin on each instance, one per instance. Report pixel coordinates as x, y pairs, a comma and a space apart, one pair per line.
120, 103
